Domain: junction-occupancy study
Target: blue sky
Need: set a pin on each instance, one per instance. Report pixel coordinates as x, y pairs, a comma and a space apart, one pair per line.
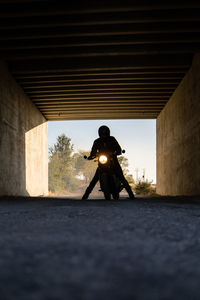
137, 137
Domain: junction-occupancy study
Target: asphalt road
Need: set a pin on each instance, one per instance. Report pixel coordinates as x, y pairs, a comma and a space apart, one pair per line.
98, 250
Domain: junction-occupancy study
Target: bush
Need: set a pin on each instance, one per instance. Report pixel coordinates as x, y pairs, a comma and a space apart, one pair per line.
144, 188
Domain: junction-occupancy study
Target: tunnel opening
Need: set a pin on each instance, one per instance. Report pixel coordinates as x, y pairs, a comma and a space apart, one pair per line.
70, 174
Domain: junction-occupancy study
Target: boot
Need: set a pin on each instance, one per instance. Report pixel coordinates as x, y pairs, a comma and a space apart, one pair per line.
130, 192
131, 195
86, 194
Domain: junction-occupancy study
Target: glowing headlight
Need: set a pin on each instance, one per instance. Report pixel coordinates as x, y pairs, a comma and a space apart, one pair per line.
103, 159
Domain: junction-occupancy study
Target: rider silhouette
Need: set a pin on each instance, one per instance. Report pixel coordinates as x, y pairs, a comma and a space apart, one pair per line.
105, 142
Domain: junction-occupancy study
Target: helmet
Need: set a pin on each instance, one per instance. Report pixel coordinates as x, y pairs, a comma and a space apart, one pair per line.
104, 131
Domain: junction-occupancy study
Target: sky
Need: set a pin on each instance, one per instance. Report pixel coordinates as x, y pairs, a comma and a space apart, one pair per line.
136, 137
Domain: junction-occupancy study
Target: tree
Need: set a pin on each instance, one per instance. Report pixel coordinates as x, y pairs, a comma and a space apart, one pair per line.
62, 147
61, 170
124, 164
83, 167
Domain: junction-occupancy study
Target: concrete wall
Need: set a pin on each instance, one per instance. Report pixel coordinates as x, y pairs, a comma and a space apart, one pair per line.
178, 138
23, 141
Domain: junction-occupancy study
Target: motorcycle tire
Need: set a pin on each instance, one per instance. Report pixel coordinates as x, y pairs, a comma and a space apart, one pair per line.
115, 196
105, 186
115, 184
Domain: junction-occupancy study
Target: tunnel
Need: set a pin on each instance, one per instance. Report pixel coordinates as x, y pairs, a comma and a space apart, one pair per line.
89, 60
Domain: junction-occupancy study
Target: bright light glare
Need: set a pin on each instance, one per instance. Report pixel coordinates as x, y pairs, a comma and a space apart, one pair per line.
103, 159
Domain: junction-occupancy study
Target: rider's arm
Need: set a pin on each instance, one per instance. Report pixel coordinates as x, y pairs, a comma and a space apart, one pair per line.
117, 147
93, 152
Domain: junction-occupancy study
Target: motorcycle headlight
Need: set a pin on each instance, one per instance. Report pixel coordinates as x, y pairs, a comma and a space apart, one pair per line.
103, 159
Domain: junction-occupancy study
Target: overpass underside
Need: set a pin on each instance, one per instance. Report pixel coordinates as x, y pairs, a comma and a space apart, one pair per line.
99, 60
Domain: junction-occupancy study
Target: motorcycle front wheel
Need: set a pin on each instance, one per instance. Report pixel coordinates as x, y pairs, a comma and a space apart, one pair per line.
115, 184
115, 196
105, 186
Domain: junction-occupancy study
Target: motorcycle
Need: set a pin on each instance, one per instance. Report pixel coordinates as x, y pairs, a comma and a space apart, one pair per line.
109, 182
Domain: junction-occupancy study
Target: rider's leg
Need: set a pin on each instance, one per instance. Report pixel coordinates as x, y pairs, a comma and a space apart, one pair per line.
128, 188
125, 183
91, 185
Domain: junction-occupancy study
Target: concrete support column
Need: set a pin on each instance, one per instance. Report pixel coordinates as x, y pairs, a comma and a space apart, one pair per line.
178, 138
23, 141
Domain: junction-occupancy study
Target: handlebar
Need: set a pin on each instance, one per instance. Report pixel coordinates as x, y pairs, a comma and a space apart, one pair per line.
86, 157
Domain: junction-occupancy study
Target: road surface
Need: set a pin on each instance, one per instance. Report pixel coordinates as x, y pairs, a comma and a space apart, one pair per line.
96, 250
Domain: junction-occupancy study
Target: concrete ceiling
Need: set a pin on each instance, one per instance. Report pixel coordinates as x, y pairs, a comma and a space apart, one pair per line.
99, 59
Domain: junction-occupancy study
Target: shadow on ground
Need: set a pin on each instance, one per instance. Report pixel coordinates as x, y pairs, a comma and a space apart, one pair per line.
64, 249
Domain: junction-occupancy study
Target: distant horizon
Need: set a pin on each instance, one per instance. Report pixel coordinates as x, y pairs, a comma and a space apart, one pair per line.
137, 137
